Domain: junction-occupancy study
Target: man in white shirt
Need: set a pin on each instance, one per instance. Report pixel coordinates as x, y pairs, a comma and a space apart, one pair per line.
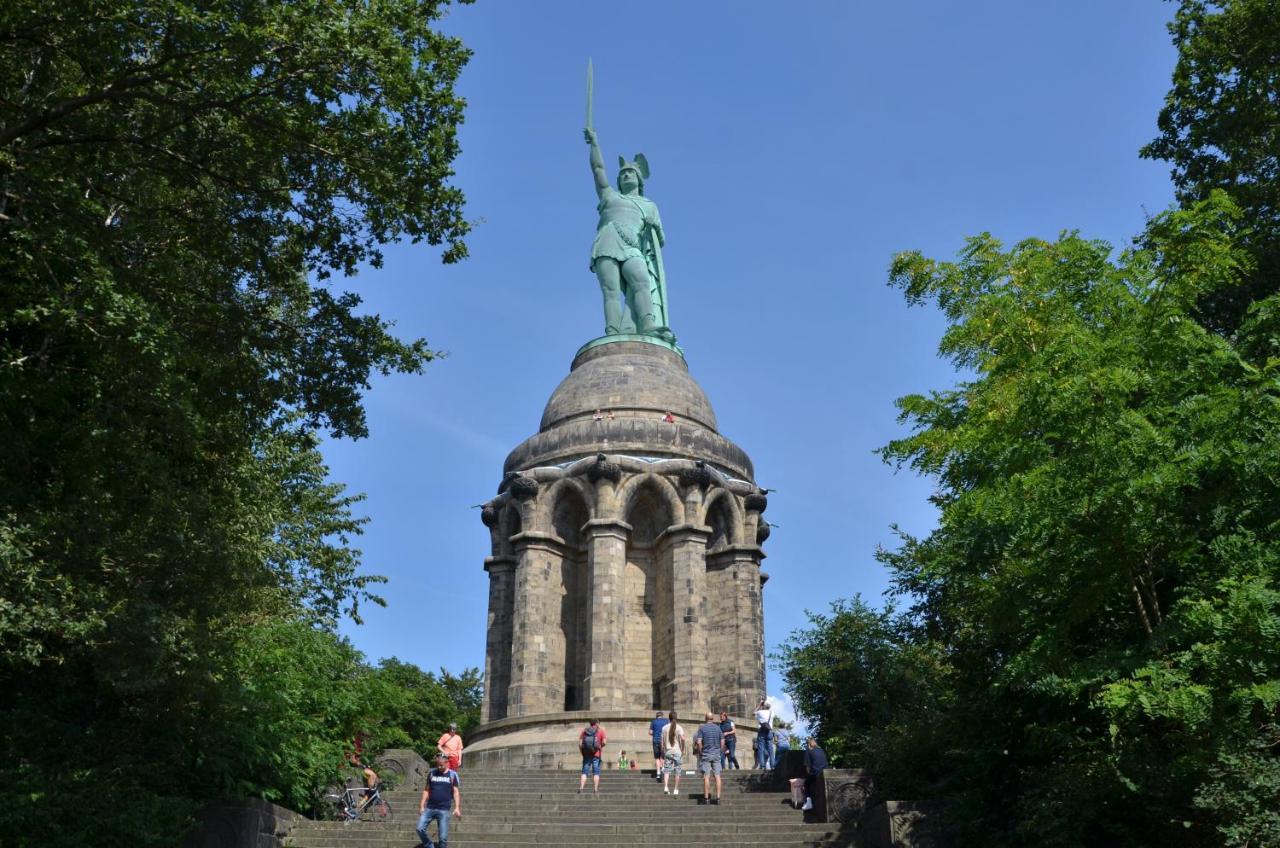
764, 720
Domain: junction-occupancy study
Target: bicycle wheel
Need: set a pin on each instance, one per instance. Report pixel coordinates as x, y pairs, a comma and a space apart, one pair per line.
380, 811
330, 808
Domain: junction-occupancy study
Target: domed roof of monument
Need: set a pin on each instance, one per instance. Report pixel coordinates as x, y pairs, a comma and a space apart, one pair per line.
628, 377
632, 384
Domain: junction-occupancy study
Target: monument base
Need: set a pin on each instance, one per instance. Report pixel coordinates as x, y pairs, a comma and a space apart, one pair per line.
550, 742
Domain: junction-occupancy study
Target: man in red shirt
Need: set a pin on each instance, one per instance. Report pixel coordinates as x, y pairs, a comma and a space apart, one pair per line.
450, 744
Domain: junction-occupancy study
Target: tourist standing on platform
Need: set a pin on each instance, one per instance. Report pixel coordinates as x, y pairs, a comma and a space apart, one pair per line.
764, 728
672, 744
441, 794
591, 743
730, 734
655, 730
450, 744
781, 745
815, 760
708, 744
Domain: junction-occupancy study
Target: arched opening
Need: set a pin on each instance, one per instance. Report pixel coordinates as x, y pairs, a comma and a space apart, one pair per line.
508, 526
721, 520
647, 635
569, 514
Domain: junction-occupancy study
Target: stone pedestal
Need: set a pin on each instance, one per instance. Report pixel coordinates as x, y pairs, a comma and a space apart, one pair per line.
624, 566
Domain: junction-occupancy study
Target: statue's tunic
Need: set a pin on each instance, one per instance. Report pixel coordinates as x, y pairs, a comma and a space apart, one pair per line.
622, 221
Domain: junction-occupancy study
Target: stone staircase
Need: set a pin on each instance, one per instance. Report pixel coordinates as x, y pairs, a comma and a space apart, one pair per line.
510, 808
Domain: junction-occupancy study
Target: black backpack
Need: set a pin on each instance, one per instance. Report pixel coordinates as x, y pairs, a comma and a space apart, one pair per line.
589, 742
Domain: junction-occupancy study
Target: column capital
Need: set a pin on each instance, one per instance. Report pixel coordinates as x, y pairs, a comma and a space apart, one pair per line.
535, 540
735, 555
607, 527
499, 564
678, 533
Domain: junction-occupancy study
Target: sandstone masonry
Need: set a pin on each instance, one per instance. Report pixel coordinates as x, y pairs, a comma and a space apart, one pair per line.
624, 571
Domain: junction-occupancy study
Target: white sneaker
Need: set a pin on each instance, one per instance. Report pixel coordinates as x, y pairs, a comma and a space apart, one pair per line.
808, 804
675, 792
666, 791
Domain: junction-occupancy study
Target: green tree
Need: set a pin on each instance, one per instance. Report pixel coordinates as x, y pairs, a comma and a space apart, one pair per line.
1104, 572
177, 183
1220, 129
872, 694
415, 707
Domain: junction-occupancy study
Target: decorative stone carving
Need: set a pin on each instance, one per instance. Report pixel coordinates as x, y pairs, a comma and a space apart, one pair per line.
762, 531
905, 824
489, 515
402, 768
602, 470
755, 502
848, 795
506, 481
699, 475
523, 488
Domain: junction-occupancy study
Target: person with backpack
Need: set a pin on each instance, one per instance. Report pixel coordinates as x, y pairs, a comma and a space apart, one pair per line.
655, 730
591, 744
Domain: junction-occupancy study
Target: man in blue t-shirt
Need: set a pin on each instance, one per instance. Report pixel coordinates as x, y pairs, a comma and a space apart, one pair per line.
438, 797
655, 730
708, 743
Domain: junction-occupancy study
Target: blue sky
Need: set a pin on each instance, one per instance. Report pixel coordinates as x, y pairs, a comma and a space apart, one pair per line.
794, 149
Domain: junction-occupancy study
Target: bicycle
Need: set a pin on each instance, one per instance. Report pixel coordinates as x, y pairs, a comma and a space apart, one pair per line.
359, 804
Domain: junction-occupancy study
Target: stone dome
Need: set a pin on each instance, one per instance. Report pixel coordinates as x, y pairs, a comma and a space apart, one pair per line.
638, 382
628, 377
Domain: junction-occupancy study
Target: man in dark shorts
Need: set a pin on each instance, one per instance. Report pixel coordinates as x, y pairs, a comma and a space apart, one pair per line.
655, 730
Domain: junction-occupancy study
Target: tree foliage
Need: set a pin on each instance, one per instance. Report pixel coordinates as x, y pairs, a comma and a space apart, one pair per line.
1100, 601
1220, 129
1089, 651
177, 183
872, 693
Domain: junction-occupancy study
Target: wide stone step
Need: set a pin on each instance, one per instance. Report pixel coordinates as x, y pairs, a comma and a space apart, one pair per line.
458, 836
470, 841
504, 809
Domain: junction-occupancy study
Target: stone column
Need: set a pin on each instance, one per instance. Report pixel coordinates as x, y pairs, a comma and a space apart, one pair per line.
532, 679
689, 693
749, 659
497, 649
606, 561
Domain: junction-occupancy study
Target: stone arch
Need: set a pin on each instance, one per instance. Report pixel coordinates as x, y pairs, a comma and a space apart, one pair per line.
650, 506
659, 485
509, 524
567, 512
551, 504
722, 515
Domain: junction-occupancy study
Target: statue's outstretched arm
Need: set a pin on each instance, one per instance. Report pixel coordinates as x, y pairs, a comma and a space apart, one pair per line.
597, 162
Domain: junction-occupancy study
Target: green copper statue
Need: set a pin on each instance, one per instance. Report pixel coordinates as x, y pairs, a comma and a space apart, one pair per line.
626, 255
